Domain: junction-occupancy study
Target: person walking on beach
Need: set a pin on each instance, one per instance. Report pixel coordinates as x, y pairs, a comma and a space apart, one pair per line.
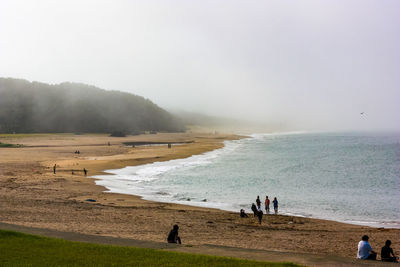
387, 253
54, 168
259, 214
85, 171
266, 205
258, 201
173, 236
254, 209
365, 251
275, 202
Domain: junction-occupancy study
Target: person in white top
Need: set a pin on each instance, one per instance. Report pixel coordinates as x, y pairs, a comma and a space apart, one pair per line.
365, 251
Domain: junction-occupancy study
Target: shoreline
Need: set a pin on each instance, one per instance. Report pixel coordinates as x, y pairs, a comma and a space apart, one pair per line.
99, 181
31, 195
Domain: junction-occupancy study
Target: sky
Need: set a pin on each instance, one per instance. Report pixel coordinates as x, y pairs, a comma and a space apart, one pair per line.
308, 65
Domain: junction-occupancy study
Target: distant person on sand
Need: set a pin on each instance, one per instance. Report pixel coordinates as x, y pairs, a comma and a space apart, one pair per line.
54, 168
365, 251
275, 202
387, 253
267, 205
243, 214
85, 171
254, 209
258, 201
259, 214
173, 236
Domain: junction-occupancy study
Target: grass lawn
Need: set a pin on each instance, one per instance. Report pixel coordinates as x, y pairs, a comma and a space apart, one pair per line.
9, 145
25, 135
17, 249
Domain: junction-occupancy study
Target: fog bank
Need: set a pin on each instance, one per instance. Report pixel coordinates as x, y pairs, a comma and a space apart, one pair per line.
307, 65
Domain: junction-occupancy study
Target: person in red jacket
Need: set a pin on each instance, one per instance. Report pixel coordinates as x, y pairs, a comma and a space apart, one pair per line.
267, 204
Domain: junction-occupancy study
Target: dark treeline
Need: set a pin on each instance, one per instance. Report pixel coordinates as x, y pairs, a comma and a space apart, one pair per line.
29, 107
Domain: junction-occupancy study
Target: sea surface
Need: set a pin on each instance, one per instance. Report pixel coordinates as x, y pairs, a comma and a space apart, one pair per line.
347, 177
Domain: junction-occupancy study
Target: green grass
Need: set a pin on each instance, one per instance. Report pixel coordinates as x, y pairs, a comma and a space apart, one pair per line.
9, 145
23, 135
17, 249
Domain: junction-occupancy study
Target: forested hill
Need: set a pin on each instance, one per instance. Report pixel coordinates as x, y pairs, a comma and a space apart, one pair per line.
27, 107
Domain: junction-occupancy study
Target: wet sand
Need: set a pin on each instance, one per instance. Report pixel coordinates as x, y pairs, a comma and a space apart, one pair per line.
32, 196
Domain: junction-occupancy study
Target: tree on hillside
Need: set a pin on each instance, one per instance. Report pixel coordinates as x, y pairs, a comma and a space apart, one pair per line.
71, 107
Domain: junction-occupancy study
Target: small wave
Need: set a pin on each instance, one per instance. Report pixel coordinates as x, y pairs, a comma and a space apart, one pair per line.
392, 224
141, 180
266, 136
152, 171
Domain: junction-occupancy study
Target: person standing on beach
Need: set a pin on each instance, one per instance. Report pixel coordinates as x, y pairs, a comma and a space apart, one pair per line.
365, 251
85, 171
54, 168
266, 205
258, 201
275, 202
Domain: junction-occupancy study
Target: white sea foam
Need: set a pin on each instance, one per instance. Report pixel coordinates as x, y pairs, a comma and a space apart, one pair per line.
132, 179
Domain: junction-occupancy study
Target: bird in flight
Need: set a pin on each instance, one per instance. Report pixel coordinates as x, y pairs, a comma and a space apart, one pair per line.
362, 113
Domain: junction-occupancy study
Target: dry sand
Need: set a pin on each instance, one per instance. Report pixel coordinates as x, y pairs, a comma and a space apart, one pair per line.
31, 195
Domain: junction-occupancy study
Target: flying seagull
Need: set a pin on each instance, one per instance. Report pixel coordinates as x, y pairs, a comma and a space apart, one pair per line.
362, 113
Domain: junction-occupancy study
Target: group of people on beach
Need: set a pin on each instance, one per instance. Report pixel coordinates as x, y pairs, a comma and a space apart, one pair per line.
257, 210
365, 251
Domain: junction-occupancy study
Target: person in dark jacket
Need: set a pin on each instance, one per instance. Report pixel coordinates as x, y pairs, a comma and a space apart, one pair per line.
259, 214
387, 253
173, 236
254, 209
258, 201
243, 214
275, 202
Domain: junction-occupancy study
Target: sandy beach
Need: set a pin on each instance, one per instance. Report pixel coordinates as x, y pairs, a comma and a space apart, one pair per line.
32, 196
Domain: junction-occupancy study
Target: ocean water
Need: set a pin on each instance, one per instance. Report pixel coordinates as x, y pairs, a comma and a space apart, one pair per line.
347, 177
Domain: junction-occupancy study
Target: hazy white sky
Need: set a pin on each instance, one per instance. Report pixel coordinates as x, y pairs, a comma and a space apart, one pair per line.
309, 64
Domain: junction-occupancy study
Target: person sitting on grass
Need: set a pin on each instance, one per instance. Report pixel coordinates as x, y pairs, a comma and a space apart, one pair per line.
387, 253
365, 251
173, 236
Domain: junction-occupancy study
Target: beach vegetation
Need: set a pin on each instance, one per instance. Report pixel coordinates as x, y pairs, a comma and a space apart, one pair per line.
18, 249
9, 145
117, 134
